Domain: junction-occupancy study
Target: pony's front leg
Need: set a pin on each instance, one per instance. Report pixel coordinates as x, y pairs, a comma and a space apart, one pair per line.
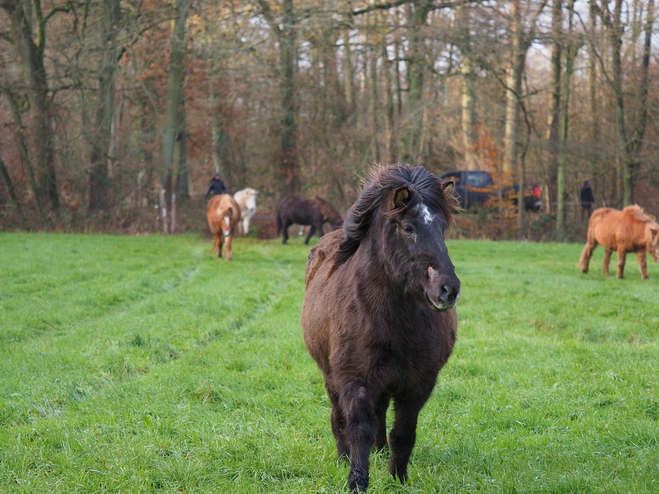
361, 425
228, 248
246, 226
287, 223
403, 433
607, 261
312, 230
621, 262
641, 256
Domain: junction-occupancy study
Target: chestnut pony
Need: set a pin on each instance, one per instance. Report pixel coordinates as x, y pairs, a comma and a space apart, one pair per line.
223, 214
378, 315
314, 212
629, 230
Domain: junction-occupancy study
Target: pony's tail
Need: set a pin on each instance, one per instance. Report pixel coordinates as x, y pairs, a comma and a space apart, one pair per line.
279, 224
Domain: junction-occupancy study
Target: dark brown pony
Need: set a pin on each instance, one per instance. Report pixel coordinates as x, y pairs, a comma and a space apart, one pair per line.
313, 212
378, 315
629, 230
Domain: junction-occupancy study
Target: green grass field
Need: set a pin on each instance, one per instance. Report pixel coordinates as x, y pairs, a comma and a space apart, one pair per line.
142, 364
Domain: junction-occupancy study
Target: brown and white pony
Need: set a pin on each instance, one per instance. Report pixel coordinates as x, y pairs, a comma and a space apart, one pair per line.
629, 230
223, 214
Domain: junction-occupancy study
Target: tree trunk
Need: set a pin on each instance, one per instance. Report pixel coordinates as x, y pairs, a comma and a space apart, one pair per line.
641, 123
22, 145
468, 116
10, 185
399, 89
348, 74
290, 173
373, 100
615, 39
174, 116
514, 89
100, 181
389, 111
416, 18
592, 91
24, 17
570, 54
555, 101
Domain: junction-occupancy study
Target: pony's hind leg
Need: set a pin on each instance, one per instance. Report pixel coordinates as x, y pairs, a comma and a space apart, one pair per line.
403, 433
312, 230
216, 245
586, 255
607, 261
642, 263
338, 427
361, 425
221, 243
381, 406
621, 262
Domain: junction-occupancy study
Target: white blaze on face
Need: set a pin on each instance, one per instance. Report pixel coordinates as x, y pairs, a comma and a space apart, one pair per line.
425, 214
227, 222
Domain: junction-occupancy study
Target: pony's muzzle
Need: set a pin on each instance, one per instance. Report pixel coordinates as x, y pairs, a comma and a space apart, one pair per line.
444, 290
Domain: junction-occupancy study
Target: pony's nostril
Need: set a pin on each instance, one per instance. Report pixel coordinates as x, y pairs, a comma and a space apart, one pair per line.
444, 292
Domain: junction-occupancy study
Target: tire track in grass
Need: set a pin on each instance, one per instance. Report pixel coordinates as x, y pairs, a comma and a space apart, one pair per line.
113, 349
30, 322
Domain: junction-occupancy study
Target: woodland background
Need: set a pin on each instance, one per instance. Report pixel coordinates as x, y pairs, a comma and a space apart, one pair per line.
114, 114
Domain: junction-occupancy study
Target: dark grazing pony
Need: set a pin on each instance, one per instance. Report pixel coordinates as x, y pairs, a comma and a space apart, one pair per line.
313, 212
378, 315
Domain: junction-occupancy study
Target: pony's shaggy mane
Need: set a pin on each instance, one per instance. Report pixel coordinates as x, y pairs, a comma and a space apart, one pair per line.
638, 214
327, 210
423, 185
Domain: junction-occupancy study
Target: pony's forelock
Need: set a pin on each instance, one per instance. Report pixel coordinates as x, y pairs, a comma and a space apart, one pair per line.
377, 185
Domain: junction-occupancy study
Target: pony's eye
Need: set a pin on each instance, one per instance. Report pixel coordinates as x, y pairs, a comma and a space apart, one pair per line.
408, 229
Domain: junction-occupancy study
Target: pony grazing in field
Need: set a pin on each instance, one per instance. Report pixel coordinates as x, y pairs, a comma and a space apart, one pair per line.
223, 214
378, 315
313, 212
629, 230
246, 199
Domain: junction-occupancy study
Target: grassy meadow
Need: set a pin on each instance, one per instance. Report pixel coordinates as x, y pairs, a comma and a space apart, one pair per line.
142, 364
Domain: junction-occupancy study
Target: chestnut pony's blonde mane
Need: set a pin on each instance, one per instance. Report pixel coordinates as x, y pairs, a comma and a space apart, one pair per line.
638, 214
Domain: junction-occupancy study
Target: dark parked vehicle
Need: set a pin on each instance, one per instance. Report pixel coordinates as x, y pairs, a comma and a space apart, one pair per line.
475, 188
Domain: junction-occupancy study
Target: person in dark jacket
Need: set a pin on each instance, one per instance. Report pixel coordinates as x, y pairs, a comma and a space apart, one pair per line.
587, 199
216, 187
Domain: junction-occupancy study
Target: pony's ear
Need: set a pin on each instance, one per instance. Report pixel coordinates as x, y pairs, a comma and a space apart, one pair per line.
447, 188
401, 196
